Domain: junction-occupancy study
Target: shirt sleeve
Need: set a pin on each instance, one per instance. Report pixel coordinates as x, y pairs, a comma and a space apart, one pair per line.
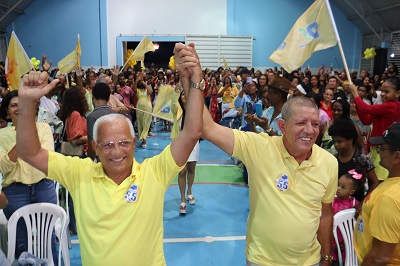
386, 225
332, 185
163, 166
6, 165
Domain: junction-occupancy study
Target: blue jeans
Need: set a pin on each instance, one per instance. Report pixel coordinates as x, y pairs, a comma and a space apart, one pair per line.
20, 195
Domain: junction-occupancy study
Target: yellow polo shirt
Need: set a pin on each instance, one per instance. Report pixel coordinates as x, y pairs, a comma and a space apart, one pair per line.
380, 219
231, 91
285, 199
21, 171
117, 225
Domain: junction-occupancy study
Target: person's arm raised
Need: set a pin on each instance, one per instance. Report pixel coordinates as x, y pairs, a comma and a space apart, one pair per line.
189, 69
33, 86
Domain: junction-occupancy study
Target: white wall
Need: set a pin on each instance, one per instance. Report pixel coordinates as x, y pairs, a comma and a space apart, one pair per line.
160, 17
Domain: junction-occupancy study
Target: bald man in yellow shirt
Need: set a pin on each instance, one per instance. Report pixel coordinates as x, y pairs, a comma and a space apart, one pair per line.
118, 202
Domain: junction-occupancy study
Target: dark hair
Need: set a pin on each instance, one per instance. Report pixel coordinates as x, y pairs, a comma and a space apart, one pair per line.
101, 91
282, 93
73, 100
345, 107
344, 128
5, 103
358, 184
395, 82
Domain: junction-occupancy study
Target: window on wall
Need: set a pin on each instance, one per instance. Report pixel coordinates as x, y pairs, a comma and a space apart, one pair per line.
237, 50
395, 50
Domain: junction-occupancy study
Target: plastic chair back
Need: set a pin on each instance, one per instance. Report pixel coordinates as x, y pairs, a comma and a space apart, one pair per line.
344, 220
40, 219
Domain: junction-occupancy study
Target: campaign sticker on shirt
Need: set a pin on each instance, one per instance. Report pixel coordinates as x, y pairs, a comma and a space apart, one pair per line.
132, 194
361, 226
283, 183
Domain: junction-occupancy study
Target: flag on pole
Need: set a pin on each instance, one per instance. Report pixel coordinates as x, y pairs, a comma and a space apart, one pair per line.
145, 45
162, 106
17, 63
72, 60
225, 63
313, 31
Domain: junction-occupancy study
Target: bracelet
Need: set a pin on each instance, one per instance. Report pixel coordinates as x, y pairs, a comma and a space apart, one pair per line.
120, 110
326, 258
269, 130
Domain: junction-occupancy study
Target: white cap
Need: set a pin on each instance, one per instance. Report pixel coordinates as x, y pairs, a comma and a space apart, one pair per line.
301, 89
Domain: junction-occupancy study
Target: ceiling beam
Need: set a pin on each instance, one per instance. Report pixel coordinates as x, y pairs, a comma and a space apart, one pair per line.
365, 21
10, 10
375, 11
15, 10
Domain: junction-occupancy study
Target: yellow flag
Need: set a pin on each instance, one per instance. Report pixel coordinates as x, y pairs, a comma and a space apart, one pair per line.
313, 31
143, 47
225, 63
72, 60
162, 106
17, 63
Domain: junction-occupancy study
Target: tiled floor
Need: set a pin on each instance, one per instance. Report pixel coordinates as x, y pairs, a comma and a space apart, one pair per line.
213, 231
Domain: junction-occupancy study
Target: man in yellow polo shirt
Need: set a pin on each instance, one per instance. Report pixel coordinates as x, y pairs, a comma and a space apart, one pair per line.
292, 185
377, 232
118, 202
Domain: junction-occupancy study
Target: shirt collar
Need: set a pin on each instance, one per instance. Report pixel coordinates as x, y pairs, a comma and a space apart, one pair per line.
285, 154
99, 170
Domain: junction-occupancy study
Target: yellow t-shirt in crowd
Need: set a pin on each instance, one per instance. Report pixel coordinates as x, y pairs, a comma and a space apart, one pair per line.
229, 94
285, 199
117, 224
380, 219
21, 171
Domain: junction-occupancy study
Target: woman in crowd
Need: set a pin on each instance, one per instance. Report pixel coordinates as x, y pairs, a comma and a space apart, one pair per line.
187, 174
214, 105
228, 92
381, 116
22, 183
263, 84
340, 110
143, 91
344, 134
72, 113
326, 103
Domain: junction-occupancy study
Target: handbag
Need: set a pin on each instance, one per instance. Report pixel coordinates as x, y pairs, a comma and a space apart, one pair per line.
68, 148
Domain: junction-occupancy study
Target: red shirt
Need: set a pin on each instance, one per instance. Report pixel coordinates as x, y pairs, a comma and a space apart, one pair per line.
328, 110
382, 116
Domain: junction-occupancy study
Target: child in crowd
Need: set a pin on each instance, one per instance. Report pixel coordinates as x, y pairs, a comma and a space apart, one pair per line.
347, 185
363, 93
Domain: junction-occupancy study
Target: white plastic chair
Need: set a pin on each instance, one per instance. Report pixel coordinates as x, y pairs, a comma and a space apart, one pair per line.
65, 245
40, 220
345, 221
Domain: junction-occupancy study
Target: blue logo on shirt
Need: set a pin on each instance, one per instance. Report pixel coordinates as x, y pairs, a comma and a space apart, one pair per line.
361, 226
132, 194
283, 183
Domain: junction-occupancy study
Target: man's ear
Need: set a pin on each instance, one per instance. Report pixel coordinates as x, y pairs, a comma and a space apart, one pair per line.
396, 157
94, 146
281, 125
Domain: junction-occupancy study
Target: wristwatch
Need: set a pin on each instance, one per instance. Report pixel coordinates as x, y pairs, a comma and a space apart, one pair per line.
201, 85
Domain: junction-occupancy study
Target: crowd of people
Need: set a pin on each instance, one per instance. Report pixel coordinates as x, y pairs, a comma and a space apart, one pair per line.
303, 140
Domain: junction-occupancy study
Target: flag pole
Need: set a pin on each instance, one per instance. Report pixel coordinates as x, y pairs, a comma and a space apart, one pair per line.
328, 6
130, 56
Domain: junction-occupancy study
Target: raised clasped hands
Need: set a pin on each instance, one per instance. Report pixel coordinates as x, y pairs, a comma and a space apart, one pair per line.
35, 85
187, 62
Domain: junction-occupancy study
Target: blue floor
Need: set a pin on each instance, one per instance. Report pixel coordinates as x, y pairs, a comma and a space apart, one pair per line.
213, 231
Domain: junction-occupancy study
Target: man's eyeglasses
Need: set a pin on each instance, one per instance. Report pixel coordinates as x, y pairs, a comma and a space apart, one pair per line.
379, 148
109, 146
